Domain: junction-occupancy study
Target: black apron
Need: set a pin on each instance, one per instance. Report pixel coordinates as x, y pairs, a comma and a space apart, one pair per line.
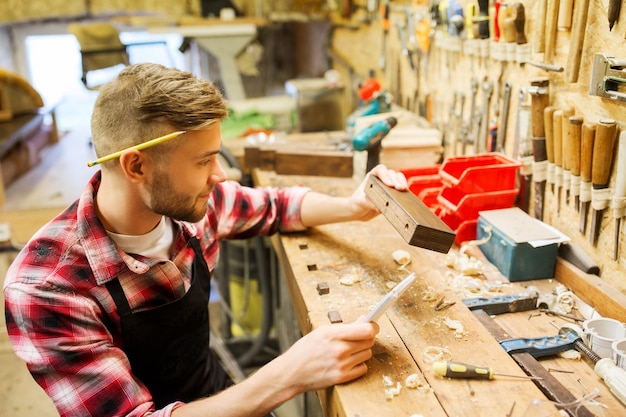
168, 346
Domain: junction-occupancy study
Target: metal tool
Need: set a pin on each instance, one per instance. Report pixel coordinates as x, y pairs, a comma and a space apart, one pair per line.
607, 76
539, 101
588, 135
603, 146
613, 12
523, 151
390, 298
472, 116
569, 337
567, 155
548, 112
575, 129
557, 129
506, 101
452, 369
619, 195
480, 144
577, 38
546, 67
502, 304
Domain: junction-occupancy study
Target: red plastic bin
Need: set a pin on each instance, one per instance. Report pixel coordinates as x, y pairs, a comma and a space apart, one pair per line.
467, 206
425, 183
479, 173
465, 230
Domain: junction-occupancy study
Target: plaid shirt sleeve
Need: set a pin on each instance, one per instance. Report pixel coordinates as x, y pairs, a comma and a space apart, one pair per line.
59, 319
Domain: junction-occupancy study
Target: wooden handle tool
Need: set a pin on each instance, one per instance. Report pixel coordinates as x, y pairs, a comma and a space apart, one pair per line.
552, 15
588, 135
603, 145
577, 38
575, 130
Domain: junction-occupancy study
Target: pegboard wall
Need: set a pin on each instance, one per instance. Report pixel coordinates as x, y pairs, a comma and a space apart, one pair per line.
451, 60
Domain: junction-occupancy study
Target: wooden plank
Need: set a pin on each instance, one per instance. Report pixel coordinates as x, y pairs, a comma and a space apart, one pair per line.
415, 222
607, 300
327, 163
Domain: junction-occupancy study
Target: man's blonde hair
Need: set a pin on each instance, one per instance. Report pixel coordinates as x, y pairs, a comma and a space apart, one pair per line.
146, 101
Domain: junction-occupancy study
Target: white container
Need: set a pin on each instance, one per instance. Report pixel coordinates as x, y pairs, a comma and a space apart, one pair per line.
601, 333
619, 352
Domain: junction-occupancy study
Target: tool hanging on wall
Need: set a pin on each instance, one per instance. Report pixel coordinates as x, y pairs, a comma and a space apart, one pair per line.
564, 19
603, 145
480, 143
548, 112
523, 151
618, 203
506, 101
567, 156
577, 38
552, 14
557, 129
587, 139
613, 12
539, 101
575, 131
384, 15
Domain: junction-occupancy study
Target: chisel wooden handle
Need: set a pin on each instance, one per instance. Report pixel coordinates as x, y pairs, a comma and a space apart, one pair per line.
565, 137
520, 23
577, 38
548, 125
552, 15
575, 130
557, 129
587, 138
539, 101
603, 145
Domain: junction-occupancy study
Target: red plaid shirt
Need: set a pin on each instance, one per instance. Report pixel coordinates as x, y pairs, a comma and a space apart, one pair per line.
64, 324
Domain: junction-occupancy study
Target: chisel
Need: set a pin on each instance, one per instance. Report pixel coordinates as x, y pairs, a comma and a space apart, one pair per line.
557, 129
588, 135
548, 112
600, 170
575, 128
565, 137
539, 101
577, 38
619, 196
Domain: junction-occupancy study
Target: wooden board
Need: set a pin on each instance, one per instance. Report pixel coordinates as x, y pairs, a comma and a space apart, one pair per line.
415, 222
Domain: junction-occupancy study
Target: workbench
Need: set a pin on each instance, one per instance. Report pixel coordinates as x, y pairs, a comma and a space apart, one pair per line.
324, 254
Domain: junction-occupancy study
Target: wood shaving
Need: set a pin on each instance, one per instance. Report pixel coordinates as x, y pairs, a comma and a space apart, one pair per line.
429, 294
413, 381
392, 392
570, 354
401, 257
432, 354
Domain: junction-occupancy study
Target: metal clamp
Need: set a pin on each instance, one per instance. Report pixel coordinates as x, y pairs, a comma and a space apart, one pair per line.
607, 75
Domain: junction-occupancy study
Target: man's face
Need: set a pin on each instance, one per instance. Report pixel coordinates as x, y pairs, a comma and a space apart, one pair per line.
181, 187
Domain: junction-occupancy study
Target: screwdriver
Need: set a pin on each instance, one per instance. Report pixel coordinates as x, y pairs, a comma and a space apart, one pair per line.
453, 369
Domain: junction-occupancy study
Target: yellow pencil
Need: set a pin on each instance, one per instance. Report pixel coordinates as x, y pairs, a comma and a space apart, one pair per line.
141, 146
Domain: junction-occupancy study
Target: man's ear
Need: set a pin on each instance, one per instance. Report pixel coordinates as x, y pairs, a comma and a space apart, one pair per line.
133, 164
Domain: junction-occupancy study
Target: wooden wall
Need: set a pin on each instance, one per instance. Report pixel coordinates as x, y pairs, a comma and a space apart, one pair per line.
445, 71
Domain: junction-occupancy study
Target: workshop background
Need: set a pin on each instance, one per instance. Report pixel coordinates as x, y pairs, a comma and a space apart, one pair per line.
432, 64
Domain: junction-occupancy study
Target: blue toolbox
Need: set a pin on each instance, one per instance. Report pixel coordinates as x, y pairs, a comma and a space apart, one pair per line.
521, 247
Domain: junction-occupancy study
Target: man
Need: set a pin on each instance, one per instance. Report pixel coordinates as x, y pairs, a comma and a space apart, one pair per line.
107, 304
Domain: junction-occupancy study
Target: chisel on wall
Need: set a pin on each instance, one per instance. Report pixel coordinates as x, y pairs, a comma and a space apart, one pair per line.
588, 135
619, 196
603, 145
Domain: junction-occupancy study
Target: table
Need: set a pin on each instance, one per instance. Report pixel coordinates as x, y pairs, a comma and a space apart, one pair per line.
326, 253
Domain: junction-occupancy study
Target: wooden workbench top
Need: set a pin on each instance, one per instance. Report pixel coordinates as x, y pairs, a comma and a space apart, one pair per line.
413, 325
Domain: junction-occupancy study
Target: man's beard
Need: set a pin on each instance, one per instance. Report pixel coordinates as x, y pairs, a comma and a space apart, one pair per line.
165, 200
